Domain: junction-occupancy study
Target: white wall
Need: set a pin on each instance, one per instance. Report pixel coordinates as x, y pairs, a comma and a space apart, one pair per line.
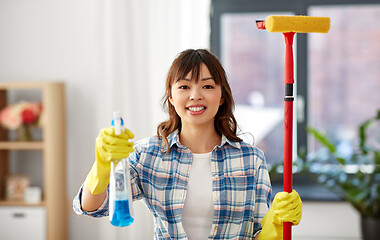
64, 40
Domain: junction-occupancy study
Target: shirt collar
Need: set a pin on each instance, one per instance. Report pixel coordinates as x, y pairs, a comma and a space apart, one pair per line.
225, 140
173, 139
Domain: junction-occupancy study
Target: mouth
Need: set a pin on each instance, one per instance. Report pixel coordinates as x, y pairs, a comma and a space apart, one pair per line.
196, 109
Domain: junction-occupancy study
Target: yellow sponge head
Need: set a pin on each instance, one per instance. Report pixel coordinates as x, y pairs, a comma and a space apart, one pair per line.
299, 24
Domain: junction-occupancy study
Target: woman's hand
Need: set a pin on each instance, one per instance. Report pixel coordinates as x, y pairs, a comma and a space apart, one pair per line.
109, 147
286, 207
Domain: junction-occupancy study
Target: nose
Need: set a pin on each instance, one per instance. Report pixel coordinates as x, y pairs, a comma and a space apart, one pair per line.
195, 94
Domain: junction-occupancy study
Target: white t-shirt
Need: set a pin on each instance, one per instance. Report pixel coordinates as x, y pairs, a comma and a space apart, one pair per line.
198, 210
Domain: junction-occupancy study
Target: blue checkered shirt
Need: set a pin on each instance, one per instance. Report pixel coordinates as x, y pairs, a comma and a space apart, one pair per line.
240, 183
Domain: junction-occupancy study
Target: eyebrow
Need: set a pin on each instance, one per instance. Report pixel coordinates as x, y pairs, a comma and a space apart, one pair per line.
203, 79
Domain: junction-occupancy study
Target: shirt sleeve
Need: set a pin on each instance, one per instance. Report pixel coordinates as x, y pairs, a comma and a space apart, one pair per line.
135, 169
263, 191
102, 211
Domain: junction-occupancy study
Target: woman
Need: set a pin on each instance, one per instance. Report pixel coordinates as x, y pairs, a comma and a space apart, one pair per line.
198, 178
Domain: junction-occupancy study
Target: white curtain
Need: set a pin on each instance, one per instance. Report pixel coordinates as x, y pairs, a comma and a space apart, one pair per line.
140, 39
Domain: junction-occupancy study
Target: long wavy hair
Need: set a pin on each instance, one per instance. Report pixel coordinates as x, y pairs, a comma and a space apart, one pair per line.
191, 60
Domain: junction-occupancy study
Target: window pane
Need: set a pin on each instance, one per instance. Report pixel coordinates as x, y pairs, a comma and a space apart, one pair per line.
344, 72
254, 61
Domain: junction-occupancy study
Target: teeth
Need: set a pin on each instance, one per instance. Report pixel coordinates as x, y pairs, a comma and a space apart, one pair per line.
196, 109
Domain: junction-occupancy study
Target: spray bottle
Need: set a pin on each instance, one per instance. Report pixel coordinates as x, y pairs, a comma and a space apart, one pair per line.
120, 197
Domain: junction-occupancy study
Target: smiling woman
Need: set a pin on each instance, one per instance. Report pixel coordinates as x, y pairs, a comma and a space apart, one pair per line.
196, 155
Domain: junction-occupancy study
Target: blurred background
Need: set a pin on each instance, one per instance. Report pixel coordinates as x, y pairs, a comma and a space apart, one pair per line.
114, 55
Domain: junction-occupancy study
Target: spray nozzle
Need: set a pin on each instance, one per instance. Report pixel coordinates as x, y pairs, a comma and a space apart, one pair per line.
117, 122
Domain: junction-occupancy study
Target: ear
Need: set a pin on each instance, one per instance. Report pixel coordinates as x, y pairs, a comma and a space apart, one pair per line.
221, 101
171, 100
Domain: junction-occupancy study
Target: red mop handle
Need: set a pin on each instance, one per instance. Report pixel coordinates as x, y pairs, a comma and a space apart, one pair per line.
289, 75
288, 124
288, 146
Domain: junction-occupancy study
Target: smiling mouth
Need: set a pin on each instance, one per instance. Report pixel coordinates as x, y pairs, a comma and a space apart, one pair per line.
196, 109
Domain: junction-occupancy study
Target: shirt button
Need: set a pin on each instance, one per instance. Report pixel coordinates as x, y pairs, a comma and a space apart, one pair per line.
216, 228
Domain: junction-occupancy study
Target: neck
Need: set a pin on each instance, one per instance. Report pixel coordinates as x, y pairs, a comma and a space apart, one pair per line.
200, 139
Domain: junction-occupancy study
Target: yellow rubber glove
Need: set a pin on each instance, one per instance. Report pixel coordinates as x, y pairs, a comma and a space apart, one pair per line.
109, 147
286, 207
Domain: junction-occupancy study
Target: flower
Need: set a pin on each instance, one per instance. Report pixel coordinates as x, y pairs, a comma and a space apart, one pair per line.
28, 116
15, 115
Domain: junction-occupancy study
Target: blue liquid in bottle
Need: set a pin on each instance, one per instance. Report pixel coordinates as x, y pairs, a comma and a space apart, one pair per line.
120, 194
121, 216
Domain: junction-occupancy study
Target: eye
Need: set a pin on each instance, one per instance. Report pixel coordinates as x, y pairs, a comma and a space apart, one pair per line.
183, 87
208, 87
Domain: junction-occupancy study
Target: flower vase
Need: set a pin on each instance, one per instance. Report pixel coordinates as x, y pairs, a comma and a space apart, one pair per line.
23, 133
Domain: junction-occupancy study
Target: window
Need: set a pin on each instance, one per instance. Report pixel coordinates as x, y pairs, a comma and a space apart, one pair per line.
344, 72
337, 75
254, 63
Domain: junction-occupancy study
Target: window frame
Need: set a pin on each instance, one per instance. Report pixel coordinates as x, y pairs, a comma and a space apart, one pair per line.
308, 189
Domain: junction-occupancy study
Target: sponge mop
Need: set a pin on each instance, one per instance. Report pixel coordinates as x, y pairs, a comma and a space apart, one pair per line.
289, 25
299, 24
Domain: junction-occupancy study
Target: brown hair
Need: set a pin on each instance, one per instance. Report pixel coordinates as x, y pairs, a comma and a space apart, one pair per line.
191, 60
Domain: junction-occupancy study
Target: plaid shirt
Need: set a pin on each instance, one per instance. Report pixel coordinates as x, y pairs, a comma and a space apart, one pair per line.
240, 183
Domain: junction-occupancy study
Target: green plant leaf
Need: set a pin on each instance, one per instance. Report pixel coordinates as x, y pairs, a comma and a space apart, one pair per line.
363, 135
341, 160
363, 132
376, 157
322, 139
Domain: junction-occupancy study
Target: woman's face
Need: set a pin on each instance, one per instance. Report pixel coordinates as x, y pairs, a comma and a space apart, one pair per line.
196, 103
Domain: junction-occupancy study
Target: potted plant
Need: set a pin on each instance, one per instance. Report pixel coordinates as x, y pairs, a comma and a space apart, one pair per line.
353, 175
